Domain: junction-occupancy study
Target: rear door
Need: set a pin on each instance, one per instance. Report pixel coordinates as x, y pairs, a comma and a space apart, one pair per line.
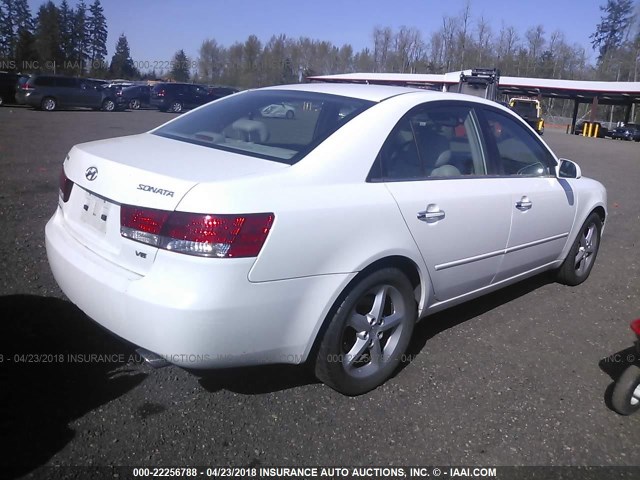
542, 206
433, 165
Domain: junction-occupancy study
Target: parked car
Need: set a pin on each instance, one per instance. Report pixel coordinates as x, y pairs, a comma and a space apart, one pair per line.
280, 110
225, 239
630, 131
176, 97
602, 130
8, 84
51, 92
220, 92
137, 96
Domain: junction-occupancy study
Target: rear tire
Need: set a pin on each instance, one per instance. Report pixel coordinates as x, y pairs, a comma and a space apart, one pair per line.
368, 334
579, 262
625, 398
135, 104
290, 114
108, 105
176, 107
48, 104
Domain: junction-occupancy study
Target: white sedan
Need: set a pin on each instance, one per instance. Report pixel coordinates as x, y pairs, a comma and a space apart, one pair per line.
224, 238
279, 110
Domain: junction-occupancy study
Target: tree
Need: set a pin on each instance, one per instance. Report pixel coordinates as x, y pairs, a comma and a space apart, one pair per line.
80, 38
210, 61
97, 36
122, 65
613, 28
180, 70
47, 37
15, 16
65, 20
251, 56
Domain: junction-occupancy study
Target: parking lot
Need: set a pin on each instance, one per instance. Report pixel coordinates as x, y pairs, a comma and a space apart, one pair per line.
520, 377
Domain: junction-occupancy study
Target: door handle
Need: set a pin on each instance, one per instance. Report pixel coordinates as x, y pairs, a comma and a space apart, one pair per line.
524, 204
431, 214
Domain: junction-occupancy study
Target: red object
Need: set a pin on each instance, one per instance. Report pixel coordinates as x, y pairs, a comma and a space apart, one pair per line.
635, 326
65, 186
245, 234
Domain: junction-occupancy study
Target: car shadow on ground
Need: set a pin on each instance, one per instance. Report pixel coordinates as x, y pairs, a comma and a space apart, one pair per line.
56, 365
257, 380
446, 319
271, 378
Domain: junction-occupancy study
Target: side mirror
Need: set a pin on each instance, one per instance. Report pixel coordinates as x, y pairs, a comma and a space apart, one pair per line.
568, 169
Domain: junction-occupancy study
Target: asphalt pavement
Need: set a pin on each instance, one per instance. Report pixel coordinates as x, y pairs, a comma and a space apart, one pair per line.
520, 377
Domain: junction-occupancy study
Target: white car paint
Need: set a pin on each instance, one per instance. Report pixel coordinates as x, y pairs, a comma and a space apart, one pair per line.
330, 224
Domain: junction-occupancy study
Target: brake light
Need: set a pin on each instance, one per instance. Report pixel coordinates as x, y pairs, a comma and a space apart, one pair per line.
222, 236
26, 86
160, 93
635, 326
65, 186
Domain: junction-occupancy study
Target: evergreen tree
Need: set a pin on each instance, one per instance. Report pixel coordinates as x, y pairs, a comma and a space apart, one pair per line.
97, 35
47, 37
65, 20
26, 53
180, 67
80, 37
15, 16
613, 29
121, 63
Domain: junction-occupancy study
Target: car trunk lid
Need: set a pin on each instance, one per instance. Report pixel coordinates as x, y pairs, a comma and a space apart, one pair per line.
145, 171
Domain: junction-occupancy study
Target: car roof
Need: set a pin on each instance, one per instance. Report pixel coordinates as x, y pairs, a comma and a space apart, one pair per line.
378, 93
375, 93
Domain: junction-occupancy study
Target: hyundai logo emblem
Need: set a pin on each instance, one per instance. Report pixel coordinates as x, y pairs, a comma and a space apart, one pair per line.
91, 173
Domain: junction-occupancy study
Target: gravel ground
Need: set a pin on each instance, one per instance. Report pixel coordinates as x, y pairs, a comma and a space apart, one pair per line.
519, 377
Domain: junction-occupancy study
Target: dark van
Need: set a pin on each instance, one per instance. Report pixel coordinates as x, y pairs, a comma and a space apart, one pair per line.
51, 92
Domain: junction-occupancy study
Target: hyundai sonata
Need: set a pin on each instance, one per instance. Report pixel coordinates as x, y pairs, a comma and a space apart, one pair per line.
229, 238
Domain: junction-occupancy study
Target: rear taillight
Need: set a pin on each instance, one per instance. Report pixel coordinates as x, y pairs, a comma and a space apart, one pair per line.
222, 236
65, 187
160, 93
26, 86
635, 326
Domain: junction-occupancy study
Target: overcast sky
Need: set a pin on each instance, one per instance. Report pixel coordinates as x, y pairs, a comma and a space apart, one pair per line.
156, 29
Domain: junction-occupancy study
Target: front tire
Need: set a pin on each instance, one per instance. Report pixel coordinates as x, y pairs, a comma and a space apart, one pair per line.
579, 262
625, 398
368, 334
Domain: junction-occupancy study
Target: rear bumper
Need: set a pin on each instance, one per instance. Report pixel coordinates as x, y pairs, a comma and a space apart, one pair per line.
195, 312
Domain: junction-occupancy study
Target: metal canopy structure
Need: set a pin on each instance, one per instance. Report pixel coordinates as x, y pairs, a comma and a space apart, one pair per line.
580, 91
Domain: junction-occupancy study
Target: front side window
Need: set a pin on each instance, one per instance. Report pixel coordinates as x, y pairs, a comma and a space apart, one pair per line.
277, 125
519, 151
431, 141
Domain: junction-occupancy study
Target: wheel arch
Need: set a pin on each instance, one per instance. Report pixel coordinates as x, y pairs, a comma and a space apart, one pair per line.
419, 281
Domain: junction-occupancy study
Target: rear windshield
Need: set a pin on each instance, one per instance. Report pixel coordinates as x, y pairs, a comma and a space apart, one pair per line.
525, 109
277, 125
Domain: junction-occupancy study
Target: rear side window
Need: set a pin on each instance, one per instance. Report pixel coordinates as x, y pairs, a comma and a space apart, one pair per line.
66, 82
42, 81
432, 141
277, 125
